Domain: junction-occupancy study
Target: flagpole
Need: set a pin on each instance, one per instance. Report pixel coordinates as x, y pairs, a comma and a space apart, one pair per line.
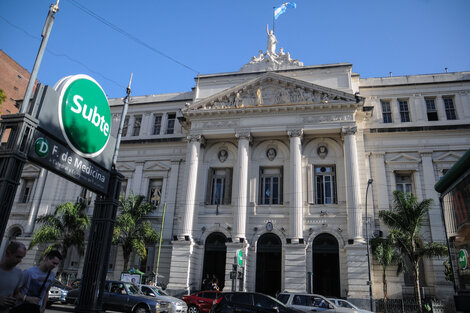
274, 20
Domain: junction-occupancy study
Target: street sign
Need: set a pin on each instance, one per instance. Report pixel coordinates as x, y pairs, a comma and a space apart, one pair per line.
240, 257
56, 157
84, 114
463, 259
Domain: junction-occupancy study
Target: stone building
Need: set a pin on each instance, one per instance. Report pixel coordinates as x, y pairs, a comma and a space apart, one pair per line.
274, 160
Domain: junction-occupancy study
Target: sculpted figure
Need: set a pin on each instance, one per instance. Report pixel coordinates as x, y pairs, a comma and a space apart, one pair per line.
271, 48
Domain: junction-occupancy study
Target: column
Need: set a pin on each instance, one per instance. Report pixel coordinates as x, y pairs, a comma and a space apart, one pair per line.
33, 213
464, 104
418, 107
130, 126
441, 110
296, 203
353, 193
395, 112
137, 178
145, 125
192, 164
380, 183
239, 215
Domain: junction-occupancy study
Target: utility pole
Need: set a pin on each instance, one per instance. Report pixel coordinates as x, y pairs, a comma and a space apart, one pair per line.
121, 124
369, 182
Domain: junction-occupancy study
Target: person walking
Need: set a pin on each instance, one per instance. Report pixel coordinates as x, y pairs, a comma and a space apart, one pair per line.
38, 280
11, 276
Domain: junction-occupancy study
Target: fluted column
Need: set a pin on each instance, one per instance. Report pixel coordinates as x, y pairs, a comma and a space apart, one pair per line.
353, 192
296, 208
192, 162
239, 215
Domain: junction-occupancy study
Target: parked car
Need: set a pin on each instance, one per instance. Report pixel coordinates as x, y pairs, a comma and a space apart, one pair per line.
177, 305
75, 283
249, 302
125, 297
201, 302
341, 303
57, 293
311, 302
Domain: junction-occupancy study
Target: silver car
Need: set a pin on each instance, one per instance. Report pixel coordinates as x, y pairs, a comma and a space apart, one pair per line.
177, 305
346, 304
311, 303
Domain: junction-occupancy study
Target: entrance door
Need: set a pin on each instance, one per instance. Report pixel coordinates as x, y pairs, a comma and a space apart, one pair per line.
326, 266
215, 253
268, 264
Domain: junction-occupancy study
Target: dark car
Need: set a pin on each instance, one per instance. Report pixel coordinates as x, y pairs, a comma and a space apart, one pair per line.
249, 302
125, 297
201, 302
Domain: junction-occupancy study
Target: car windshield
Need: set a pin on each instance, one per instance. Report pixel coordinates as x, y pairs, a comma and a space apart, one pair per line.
159, 291
283, 298
133, 289
345, 304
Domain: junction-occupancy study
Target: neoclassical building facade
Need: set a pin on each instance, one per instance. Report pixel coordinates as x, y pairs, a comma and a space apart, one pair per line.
286, 162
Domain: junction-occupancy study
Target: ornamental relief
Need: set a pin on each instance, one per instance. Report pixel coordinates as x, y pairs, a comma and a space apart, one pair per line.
328, 118
272, 94
216, 124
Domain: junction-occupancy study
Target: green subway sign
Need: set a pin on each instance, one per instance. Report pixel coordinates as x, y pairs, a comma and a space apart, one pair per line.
84, 115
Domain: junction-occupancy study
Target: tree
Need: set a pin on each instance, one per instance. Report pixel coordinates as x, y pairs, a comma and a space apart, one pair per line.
405, 221
386, 254
3, 97
63, 229
131, 231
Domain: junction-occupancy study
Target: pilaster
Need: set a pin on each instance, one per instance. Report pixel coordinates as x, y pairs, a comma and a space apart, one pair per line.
295, 274
381, 181
137, 178
37, 197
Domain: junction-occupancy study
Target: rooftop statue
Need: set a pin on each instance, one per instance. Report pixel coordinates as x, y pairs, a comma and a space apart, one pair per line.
271, 47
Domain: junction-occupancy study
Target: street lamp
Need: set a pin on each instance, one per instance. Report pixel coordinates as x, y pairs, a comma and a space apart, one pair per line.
369, 182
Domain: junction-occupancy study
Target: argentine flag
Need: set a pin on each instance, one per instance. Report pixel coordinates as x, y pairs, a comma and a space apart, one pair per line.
278, 11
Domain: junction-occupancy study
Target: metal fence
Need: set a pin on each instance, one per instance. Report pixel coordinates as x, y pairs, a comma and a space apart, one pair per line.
410, 305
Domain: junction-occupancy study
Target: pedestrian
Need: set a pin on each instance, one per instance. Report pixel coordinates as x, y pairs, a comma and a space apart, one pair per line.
37, 281
11, 276
206, 283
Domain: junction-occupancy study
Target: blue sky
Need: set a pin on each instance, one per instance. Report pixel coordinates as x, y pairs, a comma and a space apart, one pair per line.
405, 37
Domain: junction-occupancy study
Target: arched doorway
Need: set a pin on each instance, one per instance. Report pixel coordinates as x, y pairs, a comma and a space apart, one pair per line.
268, 264
326, 266
215, 253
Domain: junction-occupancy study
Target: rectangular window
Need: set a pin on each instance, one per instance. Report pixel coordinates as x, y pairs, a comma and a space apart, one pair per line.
270, 185
403, 182
386, 111
123, 188
155, 192
450, 108
219, 186
125, 126
431, 109
404, 110
137, 123
325, 184
26, 190
157, 124
170, 126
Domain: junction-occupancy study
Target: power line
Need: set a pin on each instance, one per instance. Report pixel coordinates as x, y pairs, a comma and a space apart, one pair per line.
128, 35
62, 54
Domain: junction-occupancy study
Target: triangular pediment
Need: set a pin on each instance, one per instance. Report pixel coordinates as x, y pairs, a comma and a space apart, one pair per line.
272, 89
125, 166
155, 166
448, 157
28, 167
404, 158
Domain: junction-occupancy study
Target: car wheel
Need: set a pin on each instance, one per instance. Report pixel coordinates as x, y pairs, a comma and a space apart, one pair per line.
141, 309
193, 309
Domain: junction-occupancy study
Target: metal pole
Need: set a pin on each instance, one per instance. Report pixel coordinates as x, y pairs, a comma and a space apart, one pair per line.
160, 243
369, 182
274, 20
121, 124
46, 31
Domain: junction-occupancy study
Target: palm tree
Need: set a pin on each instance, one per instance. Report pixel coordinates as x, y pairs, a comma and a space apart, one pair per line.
63, 229
405, 221
386, 254
131, 231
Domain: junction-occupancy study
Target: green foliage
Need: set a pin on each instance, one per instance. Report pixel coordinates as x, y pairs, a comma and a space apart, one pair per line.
405, 221
386, 254
132, 231
3, 96
63, 229
448, 271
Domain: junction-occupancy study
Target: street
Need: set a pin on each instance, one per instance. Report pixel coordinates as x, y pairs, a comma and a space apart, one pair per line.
59, 308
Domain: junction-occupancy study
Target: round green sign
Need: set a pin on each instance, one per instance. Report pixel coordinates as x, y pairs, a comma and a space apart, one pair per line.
41, 147
84, 115
463, 258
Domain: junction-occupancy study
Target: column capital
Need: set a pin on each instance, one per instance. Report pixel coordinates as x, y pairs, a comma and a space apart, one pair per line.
196, 137
243, 134
349, 130
378, 154
295, 132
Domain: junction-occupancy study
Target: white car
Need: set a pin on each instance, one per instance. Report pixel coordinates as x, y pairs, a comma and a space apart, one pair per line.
346, 304
177, 305
310, 303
